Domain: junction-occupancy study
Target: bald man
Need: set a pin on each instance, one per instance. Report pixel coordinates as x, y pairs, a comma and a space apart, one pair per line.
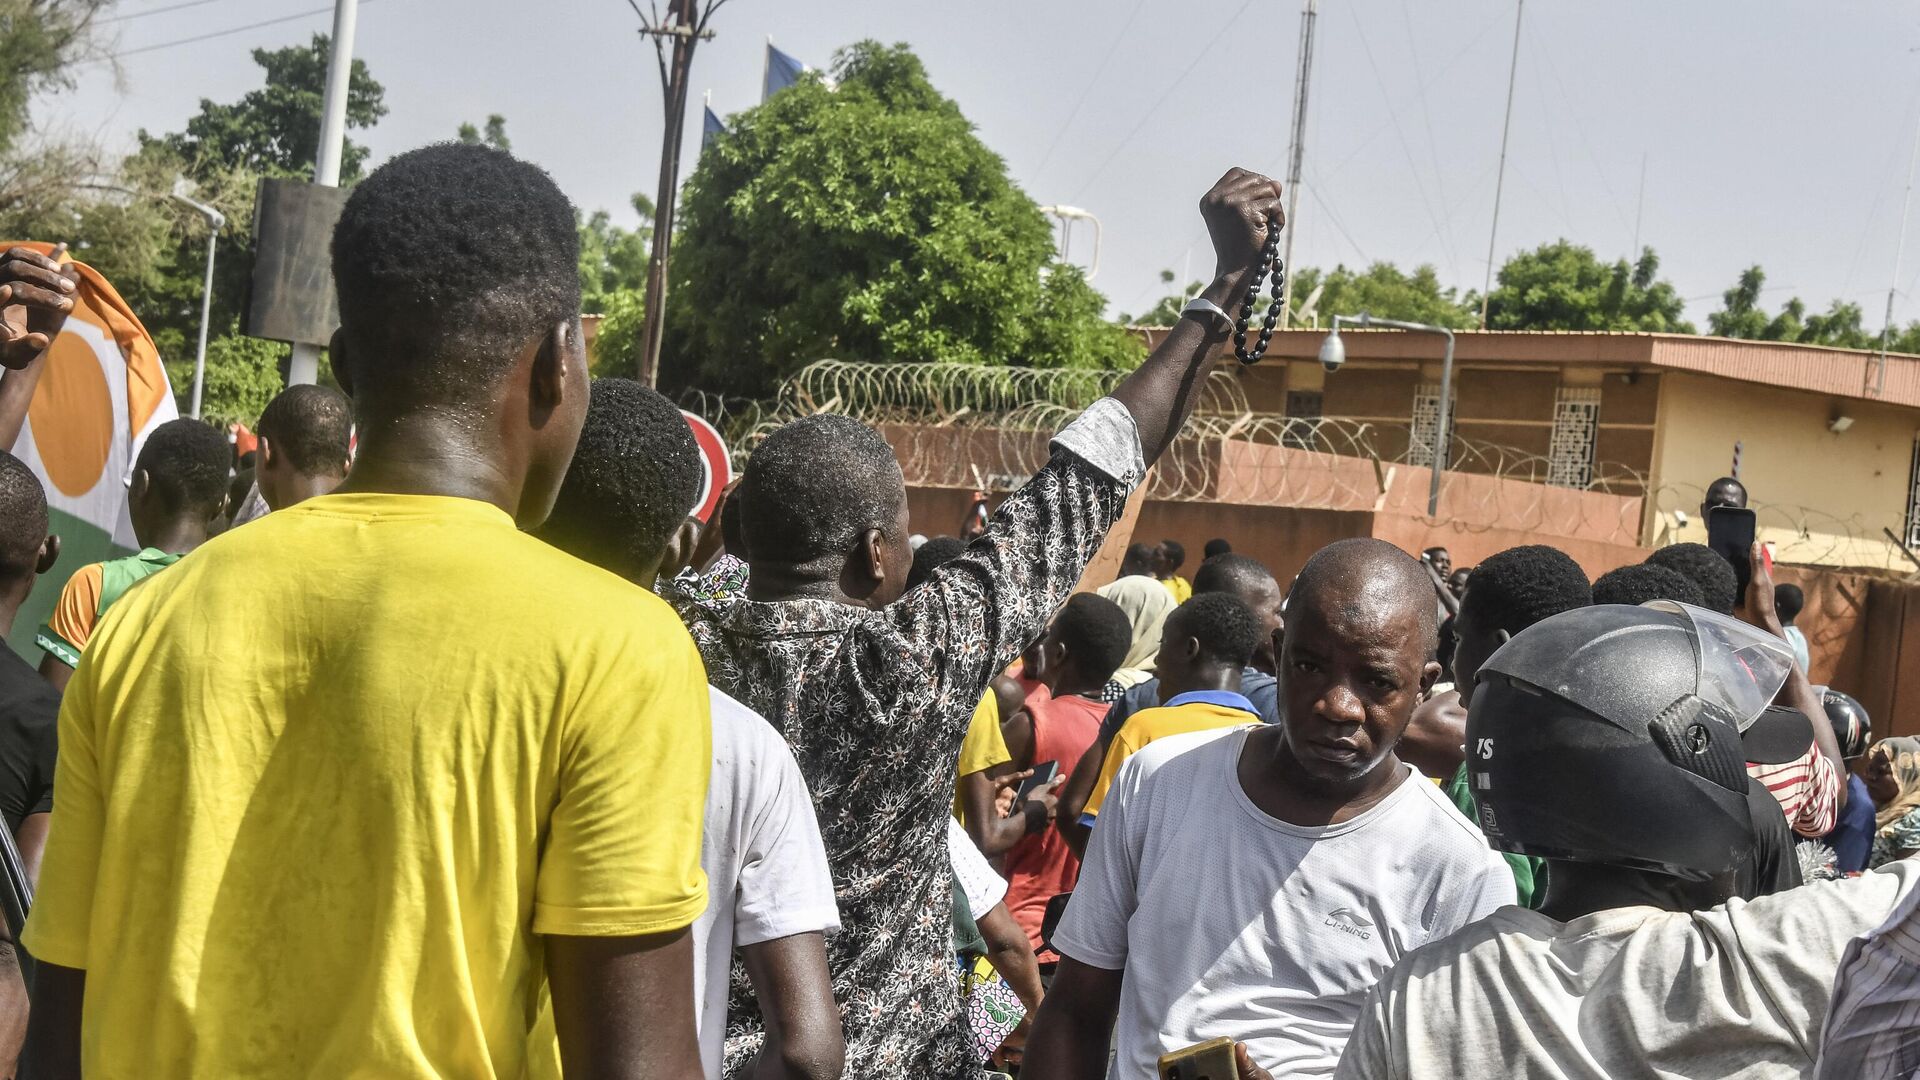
1255, 883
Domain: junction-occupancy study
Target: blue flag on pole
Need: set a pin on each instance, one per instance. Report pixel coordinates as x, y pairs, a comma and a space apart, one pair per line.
782, 71
713, 127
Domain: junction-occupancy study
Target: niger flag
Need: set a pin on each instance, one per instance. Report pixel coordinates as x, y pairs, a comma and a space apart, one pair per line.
103, 390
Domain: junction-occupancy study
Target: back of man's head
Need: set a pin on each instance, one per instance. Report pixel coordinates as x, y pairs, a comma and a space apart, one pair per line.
634, 478
311, 428
23, 520
1222, 627
1096, 633
1643, 583
1788, 602
931, 556
1520, 586
1711, 573
1234, 575
1139, 560
1175, 554
450, 261
1215, 547
185, 465
814, 487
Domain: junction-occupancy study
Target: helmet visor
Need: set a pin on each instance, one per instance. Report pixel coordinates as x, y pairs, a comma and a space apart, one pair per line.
1740, 667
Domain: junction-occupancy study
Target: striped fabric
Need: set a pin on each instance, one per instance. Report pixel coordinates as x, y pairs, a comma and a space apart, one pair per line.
1808, 791
1873, 1026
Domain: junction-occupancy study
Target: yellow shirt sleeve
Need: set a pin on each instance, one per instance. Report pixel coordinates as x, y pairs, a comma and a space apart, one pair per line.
57, 929
984, 746
622, 855
75, 613
1125, 742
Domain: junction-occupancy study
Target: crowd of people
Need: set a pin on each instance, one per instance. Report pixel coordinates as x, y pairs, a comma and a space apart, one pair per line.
441, 738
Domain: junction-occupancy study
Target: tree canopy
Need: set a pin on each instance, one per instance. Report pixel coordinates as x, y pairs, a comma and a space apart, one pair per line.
1563, 286
867, 221
1385, 290
1842, 325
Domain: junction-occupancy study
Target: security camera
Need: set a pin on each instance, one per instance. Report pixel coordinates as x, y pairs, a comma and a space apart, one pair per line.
1333, 351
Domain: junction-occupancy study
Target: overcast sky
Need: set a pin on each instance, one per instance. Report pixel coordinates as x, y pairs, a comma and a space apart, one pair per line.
1772, 131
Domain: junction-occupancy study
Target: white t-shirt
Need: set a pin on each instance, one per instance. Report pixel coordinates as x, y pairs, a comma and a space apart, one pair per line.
1739, 990
983, 888
1229, 922
767, 875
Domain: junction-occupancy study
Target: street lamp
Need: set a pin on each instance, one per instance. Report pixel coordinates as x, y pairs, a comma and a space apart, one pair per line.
1333, 353
215, 222
1068, 215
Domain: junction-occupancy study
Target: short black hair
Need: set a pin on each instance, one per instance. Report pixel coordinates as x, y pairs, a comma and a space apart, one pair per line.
1709, 571
733, 524
1227, 632
1643, 583
813, 487
1728, 484
1138, 560
312, 425
1520, 586
1215, 547
1788, 602
1231, 574
1176, 552
1096, 633
186, 464
634, 479
931, 556
23, 518
449, 260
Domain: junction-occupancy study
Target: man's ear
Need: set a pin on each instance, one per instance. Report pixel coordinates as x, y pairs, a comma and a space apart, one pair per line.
337, 359
554, 363
1502, 637
680, 547
1429, 675
267, 456
873, 548
138, 487
49, 554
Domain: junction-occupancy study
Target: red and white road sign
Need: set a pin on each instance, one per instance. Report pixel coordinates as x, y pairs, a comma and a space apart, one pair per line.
716, 467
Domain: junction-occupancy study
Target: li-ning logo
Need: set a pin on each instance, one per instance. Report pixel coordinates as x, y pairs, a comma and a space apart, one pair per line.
1348, 921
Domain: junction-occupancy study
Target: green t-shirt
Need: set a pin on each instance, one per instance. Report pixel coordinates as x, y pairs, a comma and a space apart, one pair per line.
1528, 872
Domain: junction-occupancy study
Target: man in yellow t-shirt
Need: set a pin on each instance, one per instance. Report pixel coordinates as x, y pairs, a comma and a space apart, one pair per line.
1207, 642
345, 793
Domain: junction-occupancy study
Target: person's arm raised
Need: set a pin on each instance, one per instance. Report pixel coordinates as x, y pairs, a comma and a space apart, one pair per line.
1160, 394
36, 295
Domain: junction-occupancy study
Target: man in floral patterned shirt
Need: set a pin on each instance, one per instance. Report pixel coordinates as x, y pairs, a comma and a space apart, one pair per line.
874, 691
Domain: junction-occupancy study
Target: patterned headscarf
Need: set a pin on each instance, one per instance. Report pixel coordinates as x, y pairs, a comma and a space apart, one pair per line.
1147, 604
1904, 752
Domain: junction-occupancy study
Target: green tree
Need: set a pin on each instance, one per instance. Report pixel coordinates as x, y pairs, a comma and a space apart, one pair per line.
1385, 290
867, 222
495, 134
1841, 325
1166, 311
275, 130
1563, 286
40, 42
612, 259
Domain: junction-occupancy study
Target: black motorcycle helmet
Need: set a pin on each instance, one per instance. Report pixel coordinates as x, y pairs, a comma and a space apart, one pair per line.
1852, 728
1611, 734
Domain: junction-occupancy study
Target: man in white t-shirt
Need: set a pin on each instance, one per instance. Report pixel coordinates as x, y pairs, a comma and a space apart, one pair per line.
1607, 740
623, 505
1254, 884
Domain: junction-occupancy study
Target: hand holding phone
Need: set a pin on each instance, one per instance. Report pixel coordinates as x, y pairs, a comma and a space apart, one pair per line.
1216, 1059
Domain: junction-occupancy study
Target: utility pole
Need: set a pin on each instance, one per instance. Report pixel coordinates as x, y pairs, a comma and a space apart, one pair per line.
304, 367
684, 26
1878, 382
1297, 151
1500, 181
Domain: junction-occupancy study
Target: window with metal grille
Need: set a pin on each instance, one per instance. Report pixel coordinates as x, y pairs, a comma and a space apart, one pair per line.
1576, 433
1913, 499
1303, 407
1426, 421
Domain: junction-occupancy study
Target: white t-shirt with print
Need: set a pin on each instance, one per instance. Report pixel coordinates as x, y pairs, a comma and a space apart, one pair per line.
767, 875
1229, 922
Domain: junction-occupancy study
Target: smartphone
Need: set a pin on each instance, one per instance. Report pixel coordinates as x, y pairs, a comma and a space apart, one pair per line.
1211, 1060
1043, 775
1730, 531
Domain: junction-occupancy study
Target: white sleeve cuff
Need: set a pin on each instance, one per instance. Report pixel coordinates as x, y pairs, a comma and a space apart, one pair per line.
1107, 438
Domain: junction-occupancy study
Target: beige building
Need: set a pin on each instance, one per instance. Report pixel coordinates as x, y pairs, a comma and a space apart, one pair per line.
1826, 442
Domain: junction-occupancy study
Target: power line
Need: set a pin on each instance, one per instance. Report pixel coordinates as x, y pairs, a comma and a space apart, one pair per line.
124, 53
1088, 89
1147, 116
154, 11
